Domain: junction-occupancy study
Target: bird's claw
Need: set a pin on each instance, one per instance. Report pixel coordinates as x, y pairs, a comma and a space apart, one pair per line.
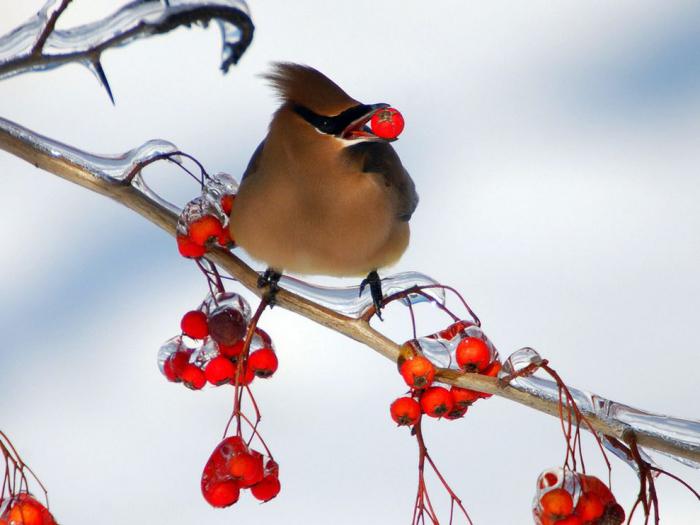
270, 279
375, 288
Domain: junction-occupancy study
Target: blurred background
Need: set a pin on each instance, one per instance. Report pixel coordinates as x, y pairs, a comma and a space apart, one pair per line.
555, 150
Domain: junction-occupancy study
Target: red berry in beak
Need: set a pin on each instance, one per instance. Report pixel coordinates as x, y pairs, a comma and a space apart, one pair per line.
387, 123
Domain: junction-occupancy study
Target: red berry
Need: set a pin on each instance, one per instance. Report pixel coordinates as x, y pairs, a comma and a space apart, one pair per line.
405, 411
387, 123
591, 484
227, 326
221, 494
464, 397
227, 203
245, 377
436, 401
203, 229
473, 354
194, 324
266, 339
454, 329
457, 412
570, 520
247, 468
26, 510
231, 351
548, 480
266, 489
263, 362
193, 377
175, 364
557, 502
224, 238
188, 248
219, 371
589, 507
417, 372
493, 369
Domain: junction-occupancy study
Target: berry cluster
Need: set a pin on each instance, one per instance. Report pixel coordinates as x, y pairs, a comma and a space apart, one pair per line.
211, 348
24, 509
466, 345
234, 466
570, 498
204, 220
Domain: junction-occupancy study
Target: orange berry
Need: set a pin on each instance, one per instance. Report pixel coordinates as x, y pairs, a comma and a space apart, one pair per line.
557, 502
436, 401
194, 324
26, 510
589, 507
189, 249
263, 362
219, 371
405, 411
473, 354
203, 229
417, 372
464, 397
266, 489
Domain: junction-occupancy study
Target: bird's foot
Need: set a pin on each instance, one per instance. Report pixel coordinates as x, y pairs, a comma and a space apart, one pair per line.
270, 280
375, 288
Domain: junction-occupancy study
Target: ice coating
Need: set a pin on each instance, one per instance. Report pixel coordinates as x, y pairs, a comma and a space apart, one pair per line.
349, 301
168, 348
682, 433
441, 346
220, 301
195, 210
138, 19
556, 478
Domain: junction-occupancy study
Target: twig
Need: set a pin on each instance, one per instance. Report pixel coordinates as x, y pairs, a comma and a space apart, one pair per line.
25, 145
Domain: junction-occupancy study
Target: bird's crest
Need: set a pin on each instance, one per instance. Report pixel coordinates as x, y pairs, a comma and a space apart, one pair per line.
308, 87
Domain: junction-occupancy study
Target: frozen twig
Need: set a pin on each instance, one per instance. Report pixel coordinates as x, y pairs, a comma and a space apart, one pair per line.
108, 176
38, 46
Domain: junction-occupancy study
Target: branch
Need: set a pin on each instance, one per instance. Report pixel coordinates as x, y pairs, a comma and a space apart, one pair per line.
117, 177
38, 46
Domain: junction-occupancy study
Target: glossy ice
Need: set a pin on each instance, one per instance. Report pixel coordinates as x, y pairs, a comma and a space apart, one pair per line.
135, 20
441, 346
682, 433
349, 301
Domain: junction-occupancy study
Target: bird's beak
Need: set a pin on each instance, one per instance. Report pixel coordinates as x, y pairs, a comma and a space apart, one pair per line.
358, 128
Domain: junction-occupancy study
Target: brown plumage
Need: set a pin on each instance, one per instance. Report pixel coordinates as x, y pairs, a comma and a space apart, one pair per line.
321, 195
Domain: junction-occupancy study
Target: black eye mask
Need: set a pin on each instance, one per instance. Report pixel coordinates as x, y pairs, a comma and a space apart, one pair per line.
337, 124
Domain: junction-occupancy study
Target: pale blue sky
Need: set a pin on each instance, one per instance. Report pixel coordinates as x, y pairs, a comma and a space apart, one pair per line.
555, 150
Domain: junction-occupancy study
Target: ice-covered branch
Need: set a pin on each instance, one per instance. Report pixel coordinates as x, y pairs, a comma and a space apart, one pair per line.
119, 178
38, 46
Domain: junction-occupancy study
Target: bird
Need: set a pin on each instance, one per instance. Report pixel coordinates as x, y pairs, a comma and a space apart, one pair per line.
322, 194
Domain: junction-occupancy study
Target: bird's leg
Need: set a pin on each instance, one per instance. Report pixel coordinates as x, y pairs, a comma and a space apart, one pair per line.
375, 288
270, 279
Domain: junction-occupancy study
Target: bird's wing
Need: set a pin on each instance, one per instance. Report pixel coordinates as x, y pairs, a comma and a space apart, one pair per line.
254, 161
381, 158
